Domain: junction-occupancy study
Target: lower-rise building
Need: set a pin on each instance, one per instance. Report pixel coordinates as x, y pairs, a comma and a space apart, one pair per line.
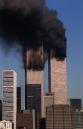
28, 120
48, 101
76, 103
78, 119
59, 117
24, 120
6, 125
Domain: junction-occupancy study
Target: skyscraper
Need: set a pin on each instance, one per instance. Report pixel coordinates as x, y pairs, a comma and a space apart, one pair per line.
78, 119
34, 74
58, 81
9, 105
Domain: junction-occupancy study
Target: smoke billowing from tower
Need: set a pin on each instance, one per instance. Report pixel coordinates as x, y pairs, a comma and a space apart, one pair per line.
40, 33
30, 24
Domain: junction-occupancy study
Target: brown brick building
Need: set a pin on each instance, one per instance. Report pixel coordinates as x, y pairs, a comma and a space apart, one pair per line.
28, 120
59, 117
24, 120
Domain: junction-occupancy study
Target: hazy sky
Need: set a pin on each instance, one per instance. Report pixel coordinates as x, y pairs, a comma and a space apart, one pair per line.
71, 13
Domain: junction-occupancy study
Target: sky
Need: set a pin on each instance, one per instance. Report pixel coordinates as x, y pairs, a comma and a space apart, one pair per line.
70, 13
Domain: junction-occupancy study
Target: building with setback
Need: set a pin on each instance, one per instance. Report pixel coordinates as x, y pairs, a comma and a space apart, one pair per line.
9, 104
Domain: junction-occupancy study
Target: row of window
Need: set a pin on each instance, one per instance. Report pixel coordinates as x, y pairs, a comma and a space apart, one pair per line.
7, 89
8, 83
5, 108
7, 99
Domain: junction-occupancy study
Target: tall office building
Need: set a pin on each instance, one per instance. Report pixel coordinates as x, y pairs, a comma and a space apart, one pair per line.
34, 74
9, 104
58, 81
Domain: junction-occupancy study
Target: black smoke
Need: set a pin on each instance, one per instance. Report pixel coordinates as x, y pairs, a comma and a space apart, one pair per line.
32, 25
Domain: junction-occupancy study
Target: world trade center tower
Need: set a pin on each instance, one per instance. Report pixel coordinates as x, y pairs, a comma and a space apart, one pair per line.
57, 78
34, 79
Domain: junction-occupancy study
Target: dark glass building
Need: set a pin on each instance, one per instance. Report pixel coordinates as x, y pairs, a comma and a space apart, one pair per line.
76, 103
24, 120
34, 97
0, 110
18, 99
78, 119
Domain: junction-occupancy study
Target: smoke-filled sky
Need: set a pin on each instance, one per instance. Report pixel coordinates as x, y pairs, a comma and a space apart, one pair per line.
70, 12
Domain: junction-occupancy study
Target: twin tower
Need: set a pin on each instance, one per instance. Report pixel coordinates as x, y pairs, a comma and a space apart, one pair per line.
57, 77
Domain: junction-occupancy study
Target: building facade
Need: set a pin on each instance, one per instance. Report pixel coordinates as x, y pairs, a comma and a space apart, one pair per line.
48, 101
24, 120
34, 77
59, 117
0, 110
78, 119
18, 99
76, 103
58, 79
9, 104
6, 125
34, 97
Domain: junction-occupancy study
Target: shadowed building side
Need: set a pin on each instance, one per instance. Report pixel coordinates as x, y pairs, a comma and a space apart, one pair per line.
0, 110
18, 99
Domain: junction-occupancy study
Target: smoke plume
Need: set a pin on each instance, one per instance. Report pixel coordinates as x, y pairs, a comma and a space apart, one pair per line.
31, 25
